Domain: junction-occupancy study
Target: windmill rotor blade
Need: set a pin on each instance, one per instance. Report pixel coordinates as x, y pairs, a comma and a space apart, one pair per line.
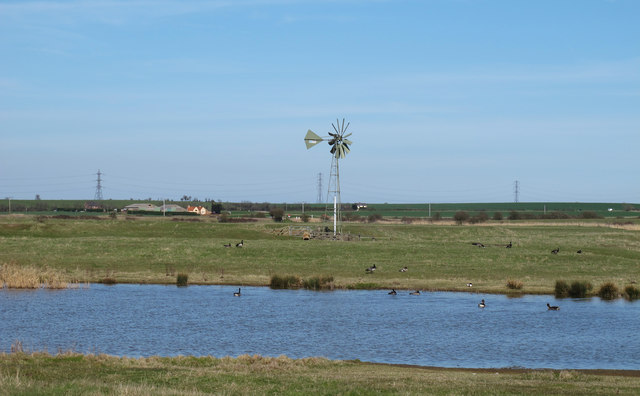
347, 135
311, 139
336, 129
347, 127
342, 128
347, 141
333, 149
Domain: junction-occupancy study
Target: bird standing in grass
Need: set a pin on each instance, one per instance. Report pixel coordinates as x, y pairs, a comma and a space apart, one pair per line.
555, 251
403, 269
227, 244
509, 245
240, 244
371, 269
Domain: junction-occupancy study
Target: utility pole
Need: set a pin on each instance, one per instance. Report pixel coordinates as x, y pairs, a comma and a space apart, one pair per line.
516, 191
319, 200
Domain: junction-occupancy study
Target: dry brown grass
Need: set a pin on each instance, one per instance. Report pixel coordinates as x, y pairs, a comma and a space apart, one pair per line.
15, 276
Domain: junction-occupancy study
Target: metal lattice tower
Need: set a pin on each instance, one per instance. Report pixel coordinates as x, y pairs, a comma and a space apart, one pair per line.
98, 196
319, 200
516, 192
334, 192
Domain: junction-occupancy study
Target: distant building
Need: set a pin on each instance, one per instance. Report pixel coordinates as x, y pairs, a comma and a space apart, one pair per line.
198, 209
141, 206
92, 205
171, 208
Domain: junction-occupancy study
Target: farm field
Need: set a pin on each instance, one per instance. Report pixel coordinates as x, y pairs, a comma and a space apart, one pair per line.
438, 256
412, 210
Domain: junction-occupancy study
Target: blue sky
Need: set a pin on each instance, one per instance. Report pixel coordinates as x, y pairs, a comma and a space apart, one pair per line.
448, 100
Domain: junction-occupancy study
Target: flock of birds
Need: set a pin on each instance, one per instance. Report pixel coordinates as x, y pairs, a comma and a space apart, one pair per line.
238, 245
481, 304
510, 245
393, 292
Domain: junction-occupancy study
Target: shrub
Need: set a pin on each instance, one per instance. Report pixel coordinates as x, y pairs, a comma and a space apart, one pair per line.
514, 284
589, 214
182, 279
632, 292
408, 220
497, 216
514, 215
460, 217
319, 283
284, 282
277, 214
109, 280
224, 218
436, 216
305, 218
374, 217
480, 217
579, 289
555, 215
561, 289
608, 291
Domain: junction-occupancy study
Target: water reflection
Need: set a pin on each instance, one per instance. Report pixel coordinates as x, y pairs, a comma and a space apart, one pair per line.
439, 329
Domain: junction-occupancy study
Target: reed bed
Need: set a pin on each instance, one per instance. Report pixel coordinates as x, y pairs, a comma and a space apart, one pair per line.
15, 276
608, 291
632, 292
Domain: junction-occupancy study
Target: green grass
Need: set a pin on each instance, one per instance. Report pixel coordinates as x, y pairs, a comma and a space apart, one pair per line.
73, 374
438, 256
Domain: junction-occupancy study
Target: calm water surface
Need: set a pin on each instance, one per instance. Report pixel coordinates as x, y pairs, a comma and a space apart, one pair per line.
434, 329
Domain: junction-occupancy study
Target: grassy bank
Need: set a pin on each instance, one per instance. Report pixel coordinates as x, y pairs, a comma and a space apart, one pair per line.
438, 256
73, 374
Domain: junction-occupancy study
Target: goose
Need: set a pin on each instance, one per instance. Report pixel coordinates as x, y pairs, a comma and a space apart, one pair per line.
469, 284
482, 304
371, 269
509, 245
237, 294
403, 269
227, 244
240, 244
579, 251
555, 251
415, 293
393, 292
478, 244
553, 307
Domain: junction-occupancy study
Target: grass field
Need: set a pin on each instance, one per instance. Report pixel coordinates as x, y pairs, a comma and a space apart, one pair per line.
438, 256
417, 210
73, 374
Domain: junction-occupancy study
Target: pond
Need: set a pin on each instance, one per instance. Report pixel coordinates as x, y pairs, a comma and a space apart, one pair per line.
433, 329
